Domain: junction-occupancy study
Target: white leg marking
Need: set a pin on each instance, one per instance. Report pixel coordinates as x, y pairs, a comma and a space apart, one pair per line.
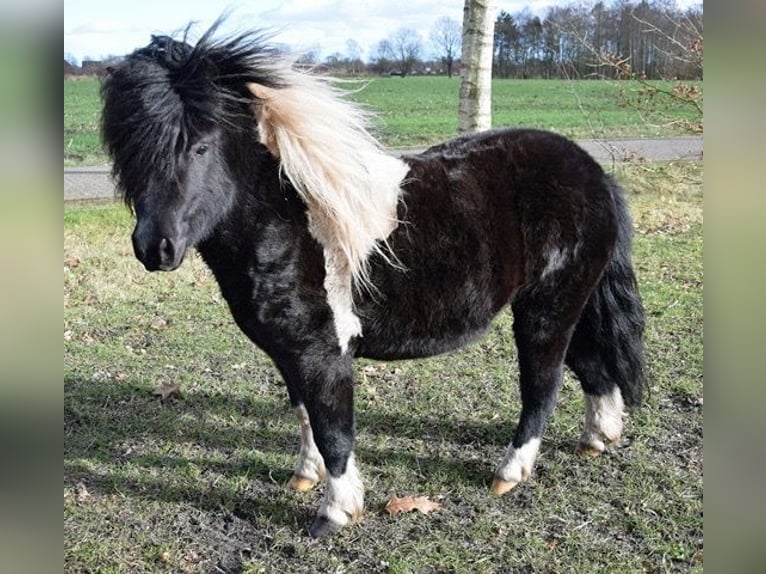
518, 462
344, 498
603, 420
310, 463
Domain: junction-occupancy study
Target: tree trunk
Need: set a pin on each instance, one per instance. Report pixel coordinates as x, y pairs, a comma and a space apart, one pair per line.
475, 110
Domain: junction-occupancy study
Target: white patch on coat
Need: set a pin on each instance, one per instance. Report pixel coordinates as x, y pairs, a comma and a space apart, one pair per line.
517, 463
340, 297
344, 497
557, 259
310, 463
603, 420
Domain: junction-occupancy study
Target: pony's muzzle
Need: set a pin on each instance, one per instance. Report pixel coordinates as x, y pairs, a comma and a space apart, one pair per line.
166, 254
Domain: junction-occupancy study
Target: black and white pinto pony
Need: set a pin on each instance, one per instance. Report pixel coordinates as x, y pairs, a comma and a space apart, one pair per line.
327, 248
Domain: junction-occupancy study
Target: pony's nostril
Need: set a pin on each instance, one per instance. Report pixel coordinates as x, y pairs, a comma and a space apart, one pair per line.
167, 250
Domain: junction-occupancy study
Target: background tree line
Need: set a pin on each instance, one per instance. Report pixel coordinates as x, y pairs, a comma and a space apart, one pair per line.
646, 39
649, 39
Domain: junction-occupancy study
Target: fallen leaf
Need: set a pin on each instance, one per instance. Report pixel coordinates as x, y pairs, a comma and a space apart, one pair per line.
72, 262
422, 504
189, 561
167, 390
81, 492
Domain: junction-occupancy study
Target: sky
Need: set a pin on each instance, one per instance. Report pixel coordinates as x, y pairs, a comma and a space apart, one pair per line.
94, 29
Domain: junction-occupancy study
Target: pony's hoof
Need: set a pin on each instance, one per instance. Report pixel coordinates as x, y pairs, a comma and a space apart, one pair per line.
588, 450
323, 527
500, 486
301, 483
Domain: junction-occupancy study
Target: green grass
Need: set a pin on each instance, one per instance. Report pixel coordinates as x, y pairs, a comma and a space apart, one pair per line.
419, 111
82, 117
198, 481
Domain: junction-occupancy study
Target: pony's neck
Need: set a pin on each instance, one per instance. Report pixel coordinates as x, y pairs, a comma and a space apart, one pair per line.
262, 203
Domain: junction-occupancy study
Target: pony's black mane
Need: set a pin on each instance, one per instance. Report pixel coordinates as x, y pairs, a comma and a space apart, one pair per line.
162, 96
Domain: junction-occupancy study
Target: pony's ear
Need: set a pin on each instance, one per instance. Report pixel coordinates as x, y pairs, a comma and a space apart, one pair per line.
266, 114
260, 91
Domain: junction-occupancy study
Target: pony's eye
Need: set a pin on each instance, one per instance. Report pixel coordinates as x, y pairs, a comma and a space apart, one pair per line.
201, 149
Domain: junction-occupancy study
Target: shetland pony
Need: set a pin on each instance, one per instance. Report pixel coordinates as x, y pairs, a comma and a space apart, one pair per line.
327, 248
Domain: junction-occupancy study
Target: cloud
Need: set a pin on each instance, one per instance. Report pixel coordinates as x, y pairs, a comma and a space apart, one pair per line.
105, 27
304, 10
96, 39
326, 25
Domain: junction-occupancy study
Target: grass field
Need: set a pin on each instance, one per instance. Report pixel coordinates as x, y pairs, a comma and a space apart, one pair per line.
197, 483
419, 111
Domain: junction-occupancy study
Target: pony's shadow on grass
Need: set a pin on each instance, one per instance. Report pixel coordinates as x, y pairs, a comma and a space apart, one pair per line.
119, 438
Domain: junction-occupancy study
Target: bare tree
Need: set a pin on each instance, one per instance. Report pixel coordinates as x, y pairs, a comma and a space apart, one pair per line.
336, 63
382, 56
407, 47
475, 109
446, 37
354, 51
308, 59
71, 58
676, 42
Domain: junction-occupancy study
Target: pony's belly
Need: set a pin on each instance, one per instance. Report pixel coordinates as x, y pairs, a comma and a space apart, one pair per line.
392, 344
416, 321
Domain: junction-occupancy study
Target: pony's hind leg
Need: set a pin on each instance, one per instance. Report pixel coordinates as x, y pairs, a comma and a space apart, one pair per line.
545, 313
542, 334
606, 353
309, 469
603, 399
603, 422
607, 358
540, 370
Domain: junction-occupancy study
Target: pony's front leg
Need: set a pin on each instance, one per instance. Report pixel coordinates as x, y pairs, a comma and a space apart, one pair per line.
310, 469
328, 399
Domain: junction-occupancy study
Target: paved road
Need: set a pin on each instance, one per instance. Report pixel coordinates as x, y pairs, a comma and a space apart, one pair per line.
88, 183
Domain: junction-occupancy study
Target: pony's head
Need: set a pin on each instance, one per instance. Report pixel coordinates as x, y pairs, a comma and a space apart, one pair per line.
172, 114
180, 120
